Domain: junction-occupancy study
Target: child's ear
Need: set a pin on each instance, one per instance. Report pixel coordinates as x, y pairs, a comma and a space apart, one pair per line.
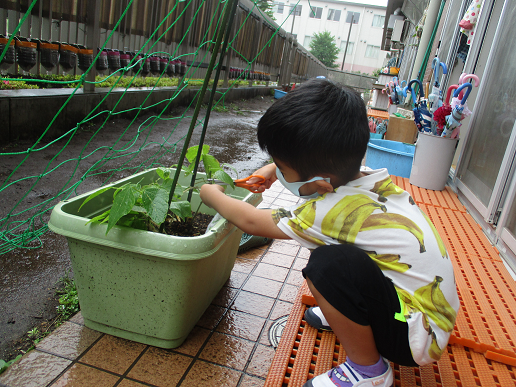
323, 187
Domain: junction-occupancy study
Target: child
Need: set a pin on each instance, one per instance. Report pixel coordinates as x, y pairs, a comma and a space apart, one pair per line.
378, 271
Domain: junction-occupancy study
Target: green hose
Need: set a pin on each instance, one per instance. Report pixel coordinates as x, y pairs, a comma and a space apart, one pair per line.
422, 69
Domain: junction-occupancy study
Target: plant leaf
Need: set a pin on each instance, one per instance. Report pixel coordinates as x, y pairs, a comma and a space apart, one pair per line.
191, 153
182, 209
223, 176
155, 202
123, 203
100, 218
211, 165
97, 193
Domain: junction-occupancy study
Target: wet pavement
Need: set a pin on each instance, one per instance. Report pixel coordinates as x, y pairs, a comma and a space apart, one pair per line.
29, 277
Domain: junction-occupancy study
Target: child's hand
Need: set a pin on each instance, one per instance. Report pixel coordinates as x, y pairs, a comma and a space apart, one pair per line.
209, 193
269, 172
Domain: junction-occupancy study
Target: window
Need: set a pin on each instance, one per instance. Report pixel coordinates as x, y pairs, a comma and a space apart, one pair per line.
315, 12
297, 12
343, 47
355, 16
334, 14
372, 51
378, 21
278, 7
307, 41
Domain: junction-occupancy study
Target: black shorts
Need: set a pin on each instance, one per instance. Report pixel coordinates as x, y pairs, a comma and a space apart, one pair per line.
354, 285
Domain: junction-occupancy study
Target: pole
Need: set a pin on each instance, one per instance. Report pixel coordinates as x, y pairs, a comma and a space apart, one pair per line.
347, 42
294, 18
200, 98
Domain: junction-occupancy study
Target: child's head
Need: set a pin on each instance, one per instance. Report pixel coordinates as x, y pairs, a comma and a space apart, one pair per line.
319, 127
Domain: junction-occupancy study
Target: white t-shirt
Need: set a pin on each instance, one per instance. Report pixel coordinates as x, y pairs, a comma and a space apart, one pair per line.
383, 220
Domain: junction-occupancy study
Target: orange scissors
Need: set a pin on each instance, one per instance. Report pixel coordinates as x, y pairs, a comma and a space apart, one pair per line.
243, 182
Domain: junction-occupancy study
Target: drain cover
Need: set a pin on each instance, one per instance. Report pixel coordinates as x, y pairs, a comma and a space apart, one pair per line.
276, 330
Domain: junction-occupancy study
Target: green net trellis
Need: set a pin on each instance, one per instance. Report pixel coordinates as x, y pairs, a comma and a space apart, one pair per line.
135, 148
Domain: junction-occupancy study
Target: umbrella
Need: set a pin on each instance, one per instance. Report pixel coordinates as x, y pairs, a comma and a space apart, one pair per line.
456, 100
422, 116
394, 96
434, 98
453, 120
443, 111
400, 90
388, 88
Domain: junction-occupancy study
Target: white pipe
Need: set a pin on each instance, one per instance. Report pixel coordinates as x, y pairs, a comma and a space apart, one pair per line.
431, 18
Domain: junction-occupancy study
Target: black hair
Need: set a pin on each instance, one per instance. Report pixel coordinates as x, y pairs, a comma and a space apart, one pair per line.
319, 127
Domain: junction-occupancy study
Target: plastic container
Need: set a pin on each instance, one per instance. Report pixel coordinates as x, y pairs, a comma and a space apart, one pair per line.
102, 61
145, 286
125, 59
10, 56
85, 58
49, 55
154, 65
432, 161
396, 156
279, 93
113, 57
67, 56
27, 54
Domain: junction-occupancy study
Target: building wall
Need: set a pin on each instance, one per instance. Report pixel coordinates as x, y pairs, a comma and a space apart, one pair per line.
363, 34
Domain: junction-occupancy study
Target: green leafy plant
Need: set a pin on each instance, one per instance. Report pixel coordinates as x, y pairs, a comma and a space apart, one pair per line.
147, 207
68, 299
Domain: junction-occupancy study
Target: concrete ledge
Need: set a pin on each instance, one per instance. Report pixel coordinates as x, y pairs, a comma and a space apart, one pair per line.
29, 114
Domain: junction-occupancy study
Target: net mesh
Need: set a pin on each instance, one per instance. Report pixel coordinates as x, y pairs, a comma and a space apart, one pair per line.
134, 148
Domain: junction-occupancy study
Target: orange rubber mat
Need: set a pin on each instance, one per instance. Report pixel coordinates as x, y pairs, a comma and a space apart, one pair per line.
482, 350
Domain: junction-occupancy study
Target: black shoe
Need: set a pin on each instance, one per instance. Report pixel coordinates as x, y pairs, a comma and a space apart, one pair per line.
312, 318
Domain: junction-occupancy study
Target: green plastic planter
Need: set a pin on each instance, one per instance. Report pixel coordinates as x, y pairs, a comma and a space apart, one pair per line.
144, 286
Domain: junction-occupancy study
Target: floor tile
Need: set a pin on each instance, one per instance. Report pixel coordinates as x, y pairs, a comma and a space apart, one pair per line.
227, 350
304, 253
69, 340
243, 265
113, 354
236, 279
253, 304
241, 325
225, 297
204, 374
278, 259
78, 319
211, 317
263, 286
251, 381
160, 367
281, 308
253, 254
34, 369
261, 361
284, 248
80, 375
194, 341
288, 293
130, 383
264, 338
300, 264
271, 272
295, 278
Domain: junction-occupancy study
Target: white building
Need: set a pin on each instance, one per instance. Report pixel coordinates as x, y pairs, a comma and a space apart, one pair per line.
363, 52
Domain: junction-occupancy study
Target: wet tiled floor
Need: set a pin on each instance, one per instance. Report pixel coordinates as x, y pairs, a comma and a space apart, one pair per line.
229, 346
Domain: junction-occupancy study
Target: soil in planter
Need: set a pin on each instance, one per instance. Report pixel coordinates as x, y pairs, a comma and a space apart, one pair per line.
196, 227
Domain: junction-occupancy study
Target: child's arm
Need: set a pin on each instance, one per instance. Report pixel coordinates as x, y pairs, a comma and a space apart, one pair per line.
245, 216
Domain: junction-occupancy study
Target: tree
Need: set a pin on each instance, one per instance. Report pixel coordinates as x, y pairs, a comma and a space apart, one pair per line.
324, 48
266, 7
